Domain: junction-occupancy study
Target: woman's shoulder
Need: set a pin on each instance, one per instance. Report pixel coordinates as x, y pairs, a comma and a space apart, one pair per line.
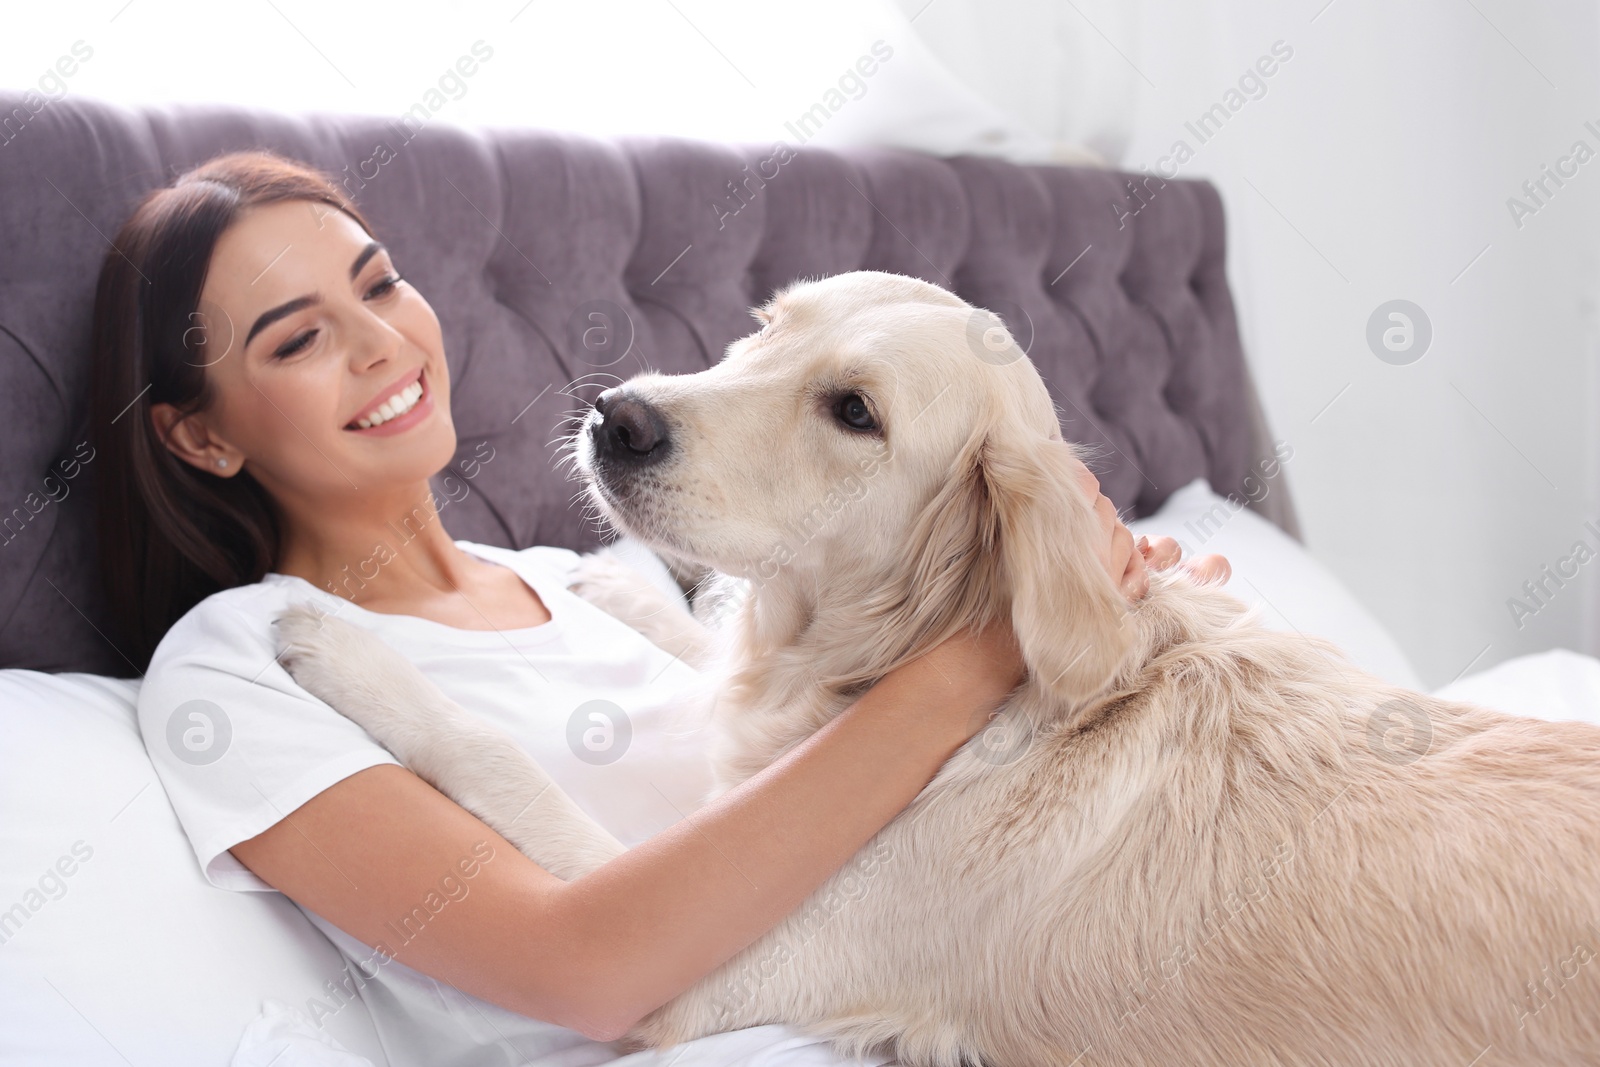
253, 599
236, 742
230, 632
238, 620
232, 629
235, 624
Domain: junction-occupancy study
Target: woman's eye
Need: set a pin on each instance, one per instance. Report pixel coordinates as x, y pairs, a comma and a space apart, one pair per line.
295, 344
851, 410
384, 287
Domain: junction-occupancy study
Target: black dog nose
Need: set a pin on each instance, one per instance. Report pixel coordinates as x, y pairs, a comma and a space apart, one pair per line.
629, 428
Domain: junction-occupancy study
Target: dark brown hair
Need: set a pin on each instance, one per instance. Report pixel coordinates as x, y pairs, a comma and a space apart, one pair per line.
171, 535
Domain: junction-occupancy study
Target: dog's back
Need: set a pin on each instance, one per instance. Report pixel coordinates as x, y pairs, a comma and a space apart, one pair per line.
1249, 853
1259, 855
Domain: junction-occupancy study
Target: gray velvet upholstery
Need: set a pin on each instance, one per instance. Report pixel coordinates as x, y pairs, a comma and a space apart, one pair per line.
515, 235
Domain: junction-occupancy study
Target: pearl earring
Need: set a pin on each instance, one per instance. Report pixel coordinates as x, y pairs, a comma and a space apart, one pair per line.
221, 462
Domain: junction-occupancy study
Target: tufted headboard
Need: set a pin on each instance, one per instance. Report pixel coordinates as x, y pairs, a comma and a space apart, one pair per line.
519, 238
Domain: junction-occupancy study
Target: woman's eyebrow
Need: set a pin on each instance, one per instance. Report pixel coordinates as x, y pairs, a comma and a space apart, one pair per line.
372, 249
269, 317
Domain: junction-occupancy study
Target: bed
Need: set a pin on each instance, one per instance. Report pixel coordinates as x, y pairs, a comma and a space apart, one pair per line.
554, 262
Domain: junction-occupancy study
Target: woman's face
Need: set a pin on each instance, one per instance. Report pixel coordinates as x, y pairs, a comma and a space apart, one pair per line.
308, 332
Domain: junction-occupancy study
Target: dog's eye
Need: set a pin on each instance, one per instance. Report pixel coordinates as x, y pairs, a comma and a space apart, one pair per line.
851, 410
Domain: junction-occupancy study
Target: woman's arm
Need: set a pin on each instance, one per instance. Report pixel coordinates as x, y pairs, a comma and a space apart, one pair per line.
599, 953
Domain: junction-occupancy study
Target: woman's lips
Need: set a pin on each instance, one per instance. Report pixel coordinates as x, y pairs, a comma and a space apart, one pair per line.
400, 423
389, 396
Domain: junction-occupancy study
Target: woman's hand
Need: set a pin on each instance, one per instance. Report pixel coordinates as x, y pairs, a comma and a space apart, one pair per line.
971, 673
1162, 552
1130, 561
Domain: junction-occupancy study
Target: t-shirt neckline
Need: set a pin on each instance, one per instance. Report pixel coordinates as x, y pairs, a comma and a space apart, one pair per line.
438, 631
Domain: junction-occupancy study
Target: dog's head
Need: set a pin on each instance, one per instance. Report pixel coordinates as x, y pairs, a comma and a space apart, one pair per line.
872, 451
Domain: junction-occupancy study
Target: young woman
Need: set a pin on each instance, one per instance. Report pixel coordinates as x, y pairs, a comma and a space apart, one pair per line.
272, 398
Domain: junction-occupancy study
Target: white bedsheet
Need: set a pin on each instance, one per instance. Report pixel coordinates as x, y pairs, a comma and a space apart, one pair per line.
1558, 685
283, 1036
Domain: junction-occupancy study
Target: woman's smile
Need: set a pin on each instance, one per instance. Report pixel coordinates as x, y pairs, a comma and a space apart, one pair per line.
341, 345
399, 407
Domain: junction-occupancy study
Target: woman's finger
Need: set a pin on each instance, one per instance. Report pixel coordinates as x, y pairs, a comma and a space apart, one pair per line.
1135, 574
1123, 556
1211, 568
1161, 552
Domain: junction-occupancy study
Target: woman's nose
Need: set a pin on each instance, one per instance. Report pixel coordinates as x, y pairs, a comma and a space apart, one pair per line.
375, 342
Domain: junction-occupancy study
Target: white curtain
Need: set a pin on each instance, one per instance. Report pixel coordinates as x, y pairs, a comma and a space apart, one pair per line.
1065, 73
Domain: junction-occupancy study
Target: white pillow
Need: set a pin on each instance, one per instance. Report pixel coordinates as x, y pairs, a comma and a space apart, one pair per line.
1559, 685
113, 948
1272, 569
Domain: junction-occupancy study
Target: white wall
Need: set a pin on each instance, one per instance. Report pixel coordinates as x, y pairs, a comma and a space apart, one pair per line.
1376, 166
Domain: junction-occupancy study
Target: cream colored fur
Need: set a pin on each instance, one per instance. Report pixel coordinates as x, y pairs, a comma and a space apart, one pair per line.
612, 585
1186, 840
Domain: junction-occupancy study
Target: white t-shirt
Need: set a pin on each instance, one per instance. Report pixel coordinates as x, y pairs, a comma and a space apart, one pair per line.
238, 745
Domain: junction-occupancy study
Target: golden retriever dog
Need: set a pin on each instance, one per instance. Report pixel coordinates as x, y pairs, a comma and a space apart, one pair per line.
1186, 839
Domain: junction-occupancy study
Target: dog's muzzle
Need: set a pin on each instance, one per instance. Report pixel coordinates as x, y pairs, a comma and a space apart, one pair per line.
629, 432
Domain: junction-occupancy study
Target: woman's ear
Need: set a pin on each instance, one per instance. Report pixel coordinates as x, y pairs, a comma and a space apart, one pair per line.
1069, 617
186, 437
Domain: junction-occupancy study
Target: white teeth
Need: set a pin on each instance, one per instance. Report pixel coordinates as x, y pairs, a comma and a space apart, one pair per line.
399, 404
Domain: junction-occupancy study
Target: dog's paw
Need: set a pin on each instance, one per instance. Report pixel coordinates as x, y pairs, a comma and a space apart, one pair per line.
345, 666
307, 640
625, 594
615, 588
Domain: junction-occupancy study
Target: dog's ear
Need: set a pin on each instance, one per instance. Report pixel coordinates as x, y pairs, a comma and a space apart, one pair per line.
1069, 616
